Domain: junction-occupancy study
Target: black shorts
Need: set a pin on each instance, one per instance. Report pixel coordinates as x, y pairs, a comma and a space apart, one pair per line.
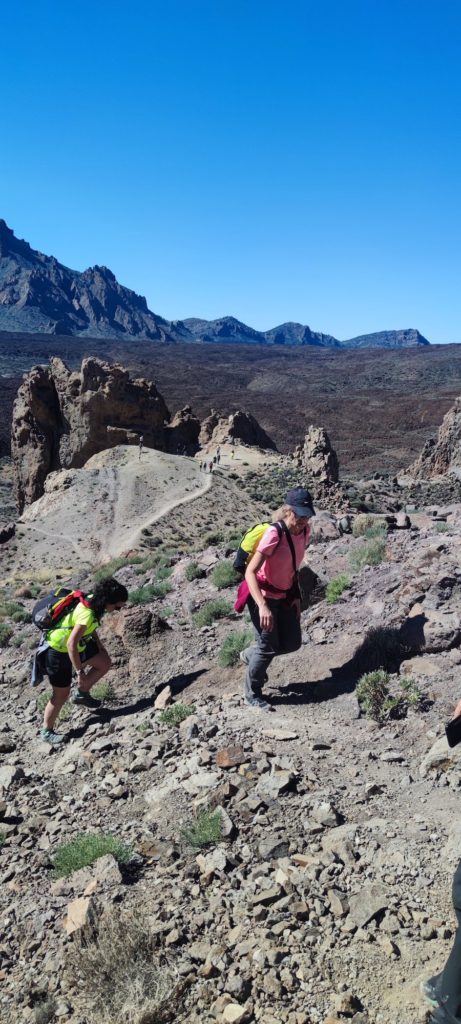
58, 666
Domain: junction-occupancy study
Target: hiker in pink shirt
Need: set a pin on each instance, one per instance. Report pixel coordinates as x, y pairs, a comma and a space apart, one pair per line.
274, 602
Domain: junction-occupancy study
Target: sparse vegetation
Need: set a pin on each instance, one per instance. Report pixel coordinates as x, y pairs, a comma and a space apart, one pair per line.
381, 701
194, 571
117, 972
365, 522
149, 593
368, 552
224, 575
103, 691
336, 587
110, 568
212, 610
205, 830
13, 610
232, 646
213, 537
176, 714
45, 1011
441, 527
84, 850
6, 633
2, 839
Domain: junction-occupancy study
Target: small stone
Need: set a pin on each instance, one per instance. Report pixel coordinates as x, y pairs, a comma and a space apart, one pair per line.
79, 913
163, 699
230, 757
235, 1014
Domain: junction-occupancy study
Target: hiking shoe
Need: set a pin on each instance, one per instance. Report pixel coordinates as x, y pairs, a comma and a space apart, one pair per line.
51, 737
428, 990
245, 657
86, 700
441, 1016
259, 703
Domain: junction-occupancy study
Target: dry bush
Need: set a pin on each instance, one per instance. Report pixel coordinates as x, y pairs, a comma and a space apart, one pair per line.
119, 975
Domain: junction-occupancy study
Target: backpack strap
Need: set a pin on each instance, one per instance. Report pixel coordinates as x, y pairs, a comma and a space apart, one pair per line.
287, 533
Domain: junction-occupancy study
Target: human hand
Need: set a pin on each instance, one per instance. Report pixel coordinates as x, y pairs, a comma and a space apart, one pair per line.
457, 710
266, 620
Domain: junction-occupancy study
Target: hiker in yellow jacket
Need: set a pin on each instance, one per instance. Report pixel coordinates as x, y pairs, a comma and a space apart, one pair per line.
74, 644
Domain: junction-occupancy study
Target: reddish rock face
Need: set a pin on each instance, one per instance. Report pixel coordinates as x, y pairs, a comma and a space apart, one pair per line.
444, 454
61, 418
239, 426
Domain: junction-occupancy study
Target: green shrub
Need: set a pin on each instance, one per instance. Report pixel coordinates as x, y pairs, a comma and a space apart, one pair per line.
164, 572
370, 552
2, 839
177, 714
336, 587
205, 830
232, 646
84, 850
103, 691
119, 974
43, 699
213, 537
211, 610
110, 568
6, 633
224, 575
13, 610
364, 522
194, 571
378, 701
441, 527
149, 592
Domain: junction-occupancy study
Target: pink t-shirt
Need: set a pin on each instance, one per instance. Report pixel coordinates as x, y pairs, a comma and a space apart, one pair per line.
278, 567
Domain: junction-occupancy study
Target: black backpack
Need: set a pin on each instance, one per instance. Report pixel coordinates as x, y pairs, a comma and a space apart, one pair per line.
50, 609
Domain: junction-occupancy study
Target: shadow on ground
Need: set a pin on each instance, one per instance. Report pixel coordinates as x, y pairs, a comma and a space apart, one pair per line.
178, 683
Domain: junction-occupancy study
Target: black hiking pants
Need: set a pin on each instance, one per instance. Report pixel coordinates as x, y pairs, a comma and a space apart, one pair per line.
448, 983
283, 638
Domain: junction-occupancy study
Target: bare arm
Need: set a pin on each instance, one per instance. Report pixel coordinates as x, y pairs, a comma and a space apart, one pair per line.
265, 614
72, 648
457, 710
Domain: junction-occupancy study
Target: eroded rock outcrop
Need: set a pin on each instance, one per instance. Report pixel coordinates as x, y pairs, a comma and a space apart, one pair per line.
238, 427
182, 434
318, 457
62, 417
441, 455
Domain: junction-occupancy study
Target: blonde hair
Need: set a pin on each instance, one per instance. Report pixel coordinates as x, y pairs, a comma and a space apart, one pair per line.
280, 513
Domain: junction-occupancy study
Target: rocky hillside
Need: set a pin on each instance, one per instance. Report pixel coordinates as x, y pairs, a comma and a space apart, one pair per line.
39, 294
184, 858
441, 455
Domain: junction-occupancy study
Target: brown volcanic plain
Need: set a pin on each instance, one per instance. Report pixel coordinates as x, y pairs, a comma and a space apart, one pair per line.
378, 406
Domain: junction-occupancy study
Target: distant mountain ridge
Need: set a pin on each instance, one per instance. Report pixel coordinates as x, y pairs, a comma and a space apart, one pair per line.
40, 295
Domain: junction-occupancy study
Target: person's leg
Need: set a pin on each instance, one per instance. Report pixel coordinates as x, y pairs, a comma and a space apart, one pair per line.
99, 665
56, 702
261, 655
289, 625
448, 983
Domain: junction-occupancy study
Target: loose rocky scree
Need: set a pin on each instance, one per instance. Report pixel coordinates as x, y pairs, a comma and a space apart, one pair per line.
326, 896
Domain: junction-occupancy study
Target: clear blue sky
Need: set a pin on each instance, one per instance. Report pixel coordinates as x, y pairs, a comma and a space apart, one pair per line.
270, 159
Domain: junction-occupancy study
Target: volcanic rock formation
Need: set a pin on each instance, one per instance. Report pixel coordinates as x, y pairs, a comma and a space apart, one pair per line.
239, 426
61, 418
182, 434
318, 457
443, 455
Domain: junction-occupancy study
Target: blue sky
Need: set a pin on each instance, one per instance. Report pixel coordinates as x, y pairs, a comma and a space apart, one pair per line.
272, 160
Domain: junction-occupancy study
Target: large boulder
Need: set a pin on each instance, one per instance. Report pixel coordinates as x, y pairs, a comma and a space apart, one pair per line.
441, 455
63, 417
317, 457
182, 434
238, 427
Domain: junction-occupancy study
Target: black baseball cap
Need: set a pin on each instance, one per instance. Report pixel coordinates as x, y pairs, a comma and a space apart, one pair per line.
300, 501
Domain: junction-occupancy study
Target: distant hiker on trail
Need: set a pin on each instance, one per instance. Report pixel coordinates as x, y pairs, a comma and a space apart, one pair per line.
274, 599
74, 644
200, 466
141, 442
